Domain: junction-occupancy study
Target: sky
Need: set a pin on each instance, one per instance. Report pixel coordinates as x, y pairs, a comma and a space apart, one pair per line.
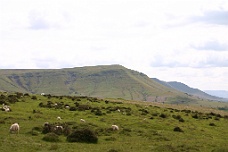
172, 40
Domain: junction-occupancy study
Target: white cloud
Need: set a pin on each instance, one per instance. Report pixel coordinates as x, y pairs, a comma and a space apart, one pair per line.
171, 40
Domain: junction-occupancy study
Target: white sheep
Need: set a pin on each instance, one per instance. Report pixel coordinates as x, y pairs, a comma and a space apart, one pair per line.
67, 107
5, 107
14, 128
82, 120
115, 127
59, 128
59, 118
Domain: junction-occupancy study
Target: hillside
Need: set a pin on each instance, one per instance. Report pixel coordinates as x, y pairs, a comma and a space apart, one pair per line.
110, 81
143, 126
186, 89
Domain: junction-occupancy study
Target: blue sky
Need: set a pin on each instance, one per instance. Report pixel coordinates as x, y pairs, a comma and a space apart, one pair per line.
172, 40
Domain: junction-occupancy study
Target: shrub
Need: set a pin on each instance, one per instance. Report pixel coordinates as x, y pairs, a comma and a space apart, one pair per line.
72, 109
98, 113
177, 129
181, 120
162, 115
34, 97
51, 137
212, 124
12, 99
84, 135
195, 116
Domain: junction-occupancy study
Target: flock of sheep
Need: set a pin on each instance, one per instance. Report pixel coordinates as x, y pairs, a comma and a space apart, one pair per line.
14, 128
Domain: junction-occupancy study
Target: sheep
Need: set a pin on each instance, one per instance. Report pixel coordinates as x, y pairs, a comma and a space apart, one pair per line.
82, 120
67, 107
47, 127
46, 124
6, 108
59, 118
118, 110
115, 127
14, 128
58, 128
42, 94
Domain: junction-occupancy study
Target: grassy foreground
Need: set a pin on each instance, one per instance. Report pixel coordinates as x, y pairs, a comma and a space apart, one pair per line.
144, 126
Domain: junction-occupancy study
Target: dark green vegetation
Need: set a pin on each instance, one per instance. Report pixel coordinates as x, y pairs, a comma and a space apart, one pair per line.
113, 81
143, 126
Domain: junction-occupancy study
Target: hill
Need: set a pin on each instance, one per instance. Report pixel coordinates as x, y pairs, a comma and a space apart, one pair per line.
106, 81
143, 126
186, 89
112, 81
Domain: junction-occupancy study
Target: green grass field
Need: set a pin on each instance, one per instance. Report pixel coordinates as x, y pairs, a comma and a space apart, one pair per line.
144, 126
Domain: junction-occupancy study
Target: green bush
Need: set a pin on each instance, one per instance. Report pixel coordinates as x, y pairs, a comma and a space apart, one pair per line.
83, 135
163, 115
51, 137
177, 129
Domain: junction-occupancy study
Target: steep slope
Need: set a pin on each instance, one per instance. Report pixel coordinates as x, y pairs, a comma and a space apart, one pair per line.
186, 89
113, 81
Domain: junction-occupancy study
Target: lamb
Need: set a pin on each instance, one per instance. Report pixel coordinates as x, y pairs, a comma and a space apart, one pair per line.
82, 120
14, 128
59, 118
115, 127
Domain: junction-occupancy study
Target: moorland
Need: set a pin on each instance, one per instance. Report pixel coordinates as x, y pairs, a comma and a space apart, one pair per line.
143, 126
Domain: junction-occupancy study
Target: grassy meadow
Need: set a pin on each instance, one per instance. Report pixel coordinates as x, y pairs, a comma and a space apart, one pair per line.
143, 126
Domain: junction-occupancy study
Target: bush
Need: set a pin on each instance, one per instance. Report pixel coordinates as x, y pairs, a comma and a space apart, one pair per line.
212, 124
177, 129
181, 120
34, 97
51, 137
163, 115
84, 135
195, 116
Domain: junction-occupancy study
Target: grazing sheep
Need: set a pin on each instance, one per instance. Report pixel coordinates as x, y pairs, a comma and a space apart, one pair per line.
82, 120
47, 127
115, 127
59, 118
14, 128
6, 108
46, 123
60, 128
67, 107
42, 94
118, 110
